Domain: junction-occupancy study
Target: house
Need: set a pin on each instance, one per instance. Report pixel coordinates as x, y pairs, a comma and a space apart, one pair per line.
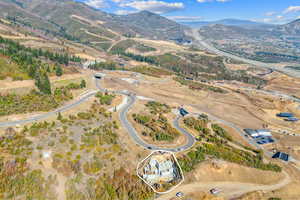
188, 79
261, 140
264, 132
251, 132
285, 114
99, 75
183, 112
258, 133
282, 156
291, 119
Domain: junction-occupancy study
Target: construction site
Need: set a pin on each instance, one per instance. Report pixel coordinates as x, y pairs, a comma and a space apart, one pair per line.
160, 171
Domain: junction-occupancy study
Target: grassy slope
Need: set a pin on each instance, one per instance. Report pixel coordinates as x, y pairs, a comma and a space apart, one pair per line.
11, 70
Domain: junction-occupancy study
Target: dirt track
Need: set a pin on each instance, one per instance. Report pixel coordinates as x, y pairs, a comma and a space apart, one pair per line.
229, 189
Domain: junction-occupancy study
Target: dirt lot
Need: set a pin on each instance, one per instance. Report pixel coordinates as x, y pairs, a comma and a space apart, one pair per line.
229, 106
221, 171
283, 83
233, 180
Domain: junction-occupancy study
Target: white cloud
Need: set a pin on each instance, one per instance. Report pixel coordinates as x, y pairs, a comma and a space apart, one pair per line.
124, 12
292, 9
96, 3
270, 13
159, 7
279, 17
266, 20
185, 18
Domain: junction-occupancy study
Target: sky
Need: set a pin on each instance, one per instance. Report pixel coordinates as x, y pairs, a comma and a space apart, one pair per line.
268, 11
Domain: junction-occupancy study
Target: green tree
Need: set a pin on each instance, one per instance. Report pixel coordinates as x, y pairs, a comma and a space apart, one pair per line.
58, 70
59, 116
83, 84
42, 81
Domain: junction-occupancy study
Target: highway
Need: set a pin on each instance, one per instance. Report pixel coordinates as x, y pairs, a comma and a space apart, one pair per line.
200, 41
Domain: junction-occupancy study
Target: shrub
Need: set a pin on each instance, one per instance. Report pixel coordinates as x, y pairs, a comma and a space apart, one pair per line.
105, 99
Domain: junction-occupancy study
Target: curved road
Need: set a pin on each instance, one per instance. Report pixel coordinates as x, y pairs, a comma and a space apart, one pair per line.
48, 114
122, 115
200, 41
135, 136
131, 99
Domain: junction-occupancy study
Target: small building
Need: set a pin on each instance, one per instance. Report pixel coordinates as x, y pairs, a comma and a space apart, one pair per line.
188, 79
285, 114
264, 132
99, 75
282, 156
183, 112
251, 132
262, 140
291, 119
258, 133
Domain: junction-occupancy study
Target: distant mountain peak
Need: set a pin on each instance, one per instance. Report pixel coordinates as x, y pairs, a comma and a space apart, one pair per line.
227, 22
295, 21
146, 12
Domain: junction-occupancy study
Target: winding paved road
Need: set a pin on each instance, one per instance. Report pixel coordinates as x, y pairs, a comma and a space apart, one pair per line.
131, 99
48, 114
124, 109
135, 136
122, 115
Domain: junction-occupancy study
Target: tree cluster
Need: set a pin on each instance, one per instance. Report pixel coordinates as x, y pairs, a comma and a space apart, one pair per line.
34, 62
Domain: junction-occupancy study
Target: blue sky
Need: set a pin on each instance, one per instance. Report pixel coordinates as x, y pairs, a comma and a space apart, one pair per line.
269, 11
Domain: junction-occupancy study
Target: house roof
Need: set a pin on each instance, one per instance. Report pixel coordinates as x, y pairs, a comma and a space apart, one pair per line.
282, 156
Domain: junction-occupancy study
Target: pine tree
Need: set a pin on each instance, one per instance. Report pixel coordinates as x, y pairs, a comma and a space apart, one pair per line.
59, 116
42, 81
83, 84
58, 70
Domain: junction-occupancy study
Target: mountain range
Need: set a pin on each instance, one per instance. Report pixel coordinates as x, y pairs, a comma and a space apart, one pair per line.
227, 22
70, 18
79, 22
75, 19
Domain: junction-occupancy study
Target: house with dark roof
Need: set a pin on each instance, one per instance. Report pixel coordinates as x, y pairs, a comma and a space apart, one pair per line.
282, 156
285, 114
291, 119
183, 112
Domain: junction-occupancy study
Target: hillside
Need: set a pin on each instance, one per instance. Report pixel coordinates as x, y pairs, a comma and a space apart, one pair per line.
153, 26
292, 28
77, 21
